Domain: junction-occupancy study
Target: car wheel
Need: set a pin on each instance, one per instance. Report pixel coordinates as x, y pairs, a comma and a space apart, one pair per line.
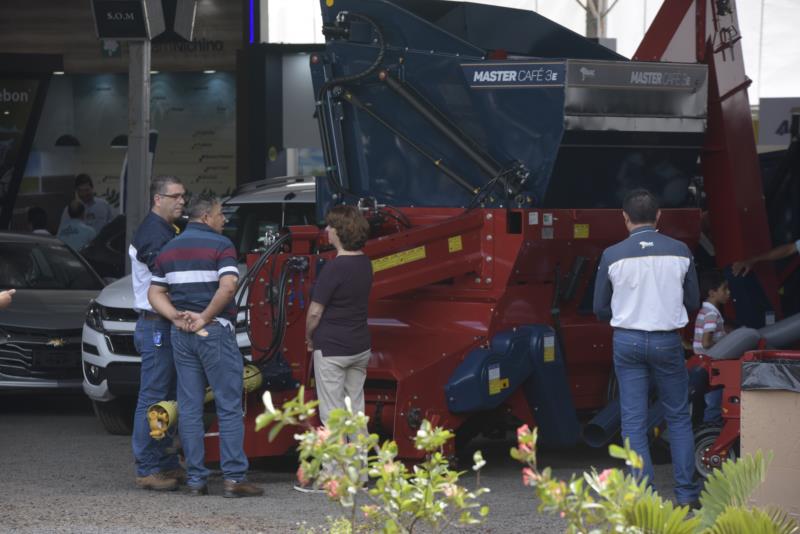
116, 416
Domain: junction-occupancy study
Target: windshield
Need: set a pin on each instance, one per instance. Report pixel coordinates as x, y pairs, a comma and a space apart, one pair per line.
44, 266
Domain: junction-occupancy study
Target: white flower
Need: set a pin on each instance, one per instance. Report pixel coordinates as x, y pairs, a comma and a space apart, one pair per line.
348, 403
479, 461
267, 400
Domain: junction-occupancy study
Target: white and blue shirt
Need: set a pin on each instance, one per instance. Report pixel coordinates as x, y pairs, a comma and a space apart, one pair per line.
646, 282
147, 242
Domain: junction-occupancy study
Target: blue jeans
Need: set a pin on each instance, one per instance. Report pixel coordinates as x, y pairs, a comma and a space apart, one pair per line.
640, 357
157, 383
713, 411
214, 360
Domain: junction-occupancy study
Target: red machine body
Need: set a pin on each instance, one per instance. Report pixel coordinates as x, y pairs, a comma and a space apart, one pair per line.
449, 283
443, 288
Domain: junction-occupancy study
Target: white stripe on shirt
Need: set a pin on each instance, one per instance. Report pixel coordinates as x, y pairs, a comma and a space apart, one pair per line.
192, 277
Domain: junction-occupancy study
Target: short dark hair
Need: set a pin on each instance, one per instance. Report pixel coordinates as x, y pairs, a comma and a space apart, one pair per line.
351, 227
76, 209
158, 185
710, 280
37, 218
201, 204
641, 206
83, 179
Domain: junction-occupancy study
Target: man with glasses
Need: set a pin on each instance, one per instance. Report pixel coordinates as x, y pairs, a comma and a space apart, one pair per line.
194, 283
157, 465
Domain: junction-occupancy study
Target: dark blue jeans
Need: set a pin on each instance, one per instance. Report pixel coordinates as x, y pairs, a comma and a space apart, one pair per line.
214, 360
152, 341
639, 358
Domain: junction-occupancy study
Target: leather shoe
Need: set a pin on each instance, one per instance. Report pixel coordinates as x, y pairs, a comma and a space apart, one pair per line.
233, 489
198, 491
693, 505
156, 481
179, 474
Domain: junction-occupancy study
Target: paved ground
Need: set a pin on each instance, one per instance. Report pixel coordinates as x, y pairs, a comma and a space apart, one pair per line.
62, 473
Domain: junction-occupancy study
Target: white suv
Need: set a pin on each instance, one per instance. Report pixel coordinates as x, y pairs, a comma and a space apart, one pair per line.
110, 363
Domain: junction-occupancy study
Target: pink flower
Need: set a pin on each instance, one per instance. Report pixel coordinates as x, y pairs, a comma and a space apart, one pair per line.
524, 447
449, 490
301, 476
602, 478
322, 434
529, 477
523, 430
332, 487
389, 468
369, 510
563, 515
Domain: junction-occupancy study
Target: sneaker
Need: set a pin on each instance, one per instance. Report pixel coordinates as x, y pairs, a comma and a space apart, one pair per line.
233, 489
198, 491
308, 488
179, 474
156, 481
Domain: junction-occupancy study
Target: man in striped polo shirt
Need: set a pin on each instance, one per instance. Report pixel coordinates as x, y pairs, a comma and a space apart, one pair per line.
197, 273
647, 285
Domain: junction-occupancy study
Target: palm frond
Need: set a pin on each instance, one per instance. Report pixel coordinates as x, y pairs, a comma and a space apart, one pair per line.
731, 485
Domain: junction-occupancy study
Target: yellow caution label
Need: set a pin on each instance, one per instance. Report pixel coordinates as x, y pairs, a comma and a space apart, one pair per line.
496, 385
549, 349
454, 244
329, 3
398, 259
581, 231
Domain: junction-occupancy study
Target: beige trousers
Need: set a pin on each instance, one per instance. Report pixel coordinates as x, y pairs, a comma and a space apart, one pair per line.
338, 377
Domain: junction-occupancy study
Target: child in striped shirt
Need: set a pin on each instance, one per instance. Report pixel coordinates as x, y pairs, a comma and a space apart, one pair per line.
709, 328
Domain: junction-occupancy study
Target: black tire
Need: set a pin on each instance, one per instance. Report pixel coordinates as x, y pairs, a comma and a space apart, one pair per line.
704, 437
116, 416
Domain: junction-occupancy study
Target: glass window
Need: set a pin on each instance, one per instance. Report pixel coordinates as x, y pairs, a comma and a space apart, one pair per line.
44, 266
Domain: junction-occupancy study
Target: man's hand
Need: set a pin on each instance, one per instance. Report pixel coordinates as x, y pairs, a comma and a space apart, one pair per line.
741, 268
180, 321
309, 345
195, 321
5, 297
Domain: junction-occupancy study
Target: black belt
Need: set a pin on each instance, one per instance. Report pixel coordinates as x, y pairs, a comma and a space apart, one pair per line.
149, 316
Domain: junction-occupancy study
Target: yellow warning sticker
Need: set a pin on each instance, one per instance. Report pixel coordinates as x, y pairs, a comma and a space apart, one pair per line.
398, 259
496, 385
454, 244
549, 349
581, 231
329, 3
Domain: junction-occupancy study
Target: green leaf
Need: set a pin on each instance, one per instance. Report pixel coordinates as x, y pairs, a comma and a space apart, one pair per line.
735, 520
731, 485
484, 511
615, 451
275, 430
652, 514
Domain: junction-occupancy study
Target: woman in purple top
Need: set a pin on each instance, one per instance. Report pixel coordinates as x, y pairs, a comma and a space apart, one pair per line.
336, 323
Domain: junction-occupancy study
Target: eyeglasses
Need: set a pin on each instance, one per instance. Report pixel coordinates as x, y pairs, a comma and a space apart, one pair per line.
174, 196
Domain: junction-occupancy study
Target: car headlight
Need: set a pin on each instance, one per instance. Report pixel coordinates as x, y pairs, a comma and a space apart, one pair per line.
94, 316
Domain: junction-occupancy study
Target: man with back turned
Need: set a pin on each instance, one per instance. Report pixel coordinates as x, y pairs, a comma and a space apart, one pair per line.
647, 285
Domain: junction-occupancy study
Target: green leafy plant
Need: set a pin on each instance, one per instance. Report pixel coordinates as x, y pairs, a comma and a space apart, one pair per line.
613, 501
378, 491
